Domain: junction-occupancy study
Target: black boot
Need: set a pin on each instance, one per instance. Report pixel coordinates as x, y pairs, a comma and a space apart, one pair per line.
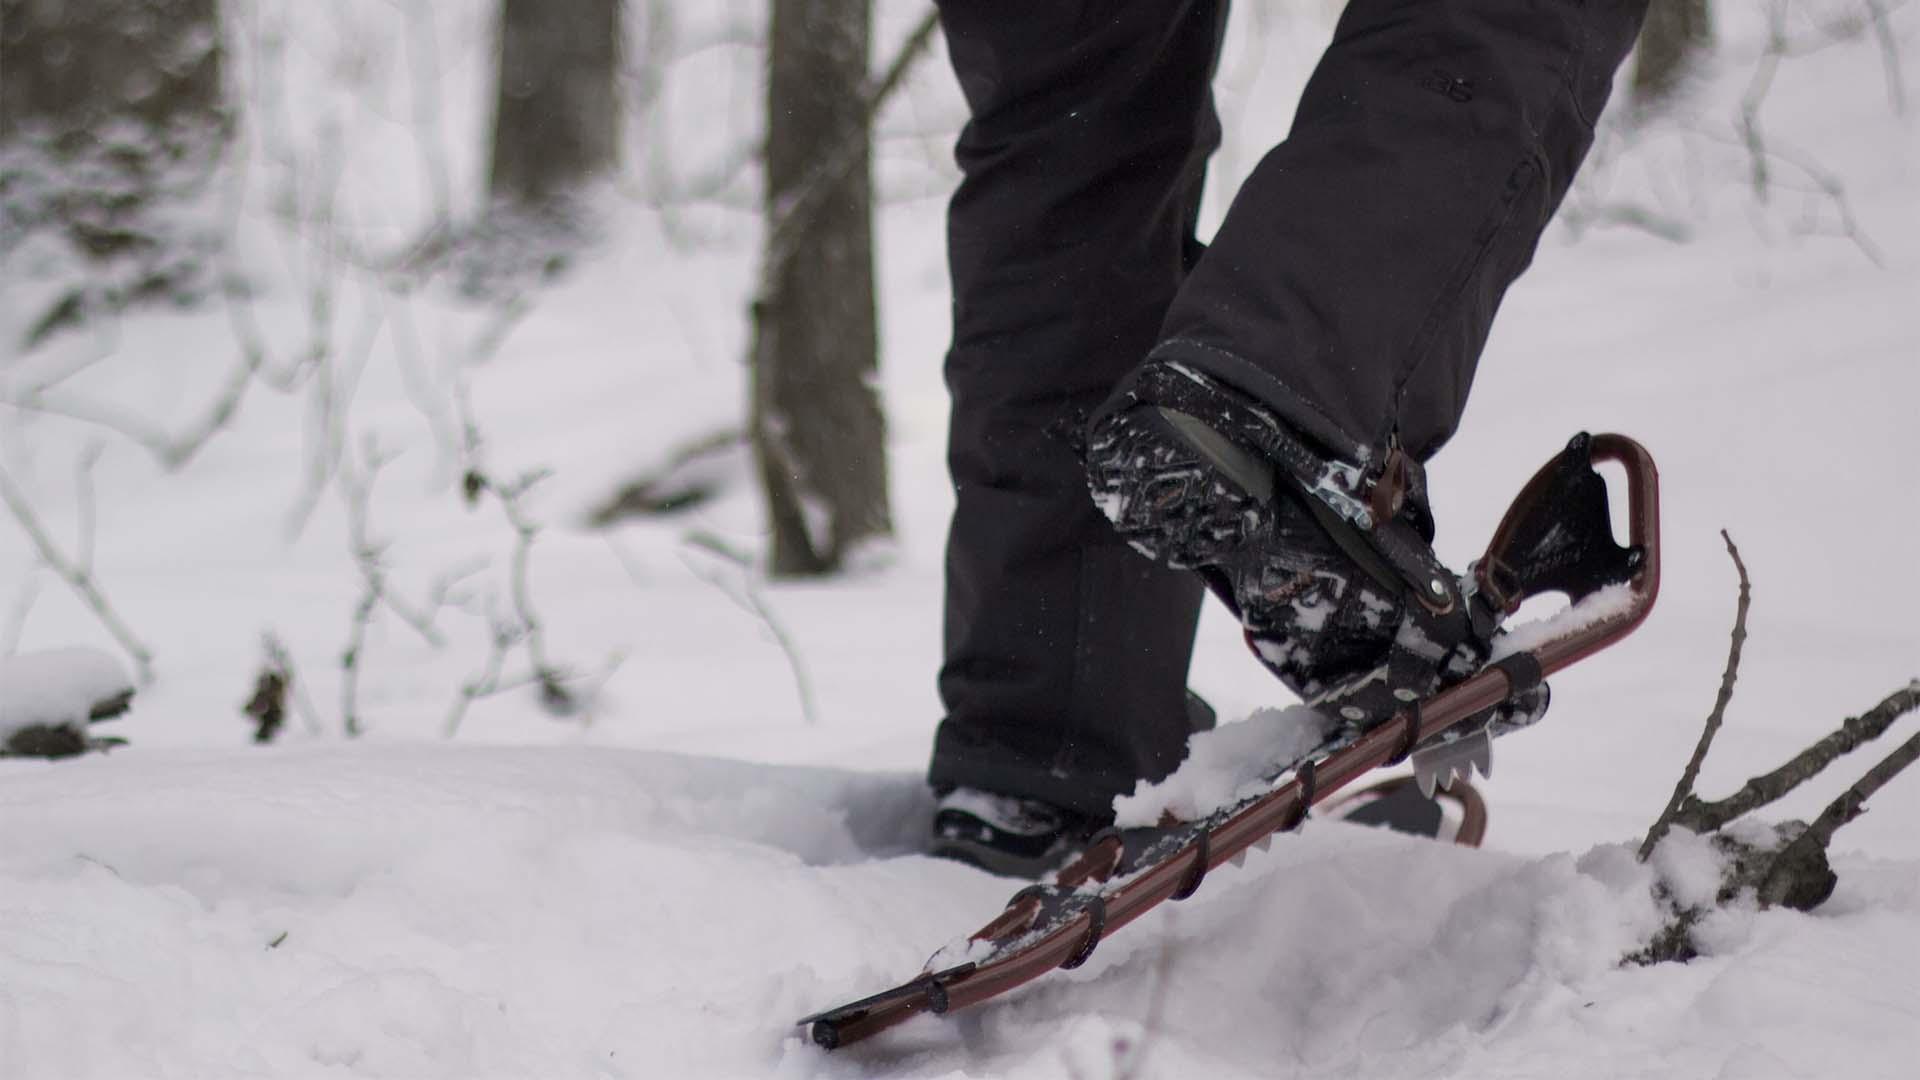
1196, 475
1184, 467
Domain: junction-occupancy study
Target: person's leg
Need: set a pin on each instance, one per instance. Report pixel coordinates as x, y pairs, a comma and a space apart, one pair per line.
1066, 654
1354, 279
1342, 310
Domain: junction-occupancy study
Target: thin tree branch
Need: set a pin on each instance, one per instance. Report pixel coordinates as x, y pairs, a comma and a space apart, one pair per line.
527, 626
1760, 790
356, 489
750, 598
278, 656
505, 635
1684, 789
1889, 56
84, 505
552, 678
796, 211
78, 576
369, 555
17, 612
1851, 804
172, 451
1761, 156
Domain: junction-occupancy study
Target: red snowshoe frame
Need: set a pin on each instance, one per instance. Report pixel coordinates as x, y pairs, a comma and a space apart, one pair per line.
1120, 875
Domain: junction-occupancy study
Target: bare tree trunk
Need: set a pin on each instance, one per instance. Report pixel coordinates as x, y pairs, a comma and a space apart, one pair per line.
1674, 37
70, 70
109, 108
818, 433
556, 118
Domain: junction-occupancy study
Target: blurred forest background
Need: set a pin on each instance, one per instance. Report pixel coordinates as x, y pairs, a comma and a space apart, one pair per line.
351, 192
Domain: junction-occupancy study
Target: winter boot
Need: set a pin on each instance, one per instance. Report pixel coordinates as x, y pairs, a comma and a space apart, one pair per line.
1320, 559
1182, 466
1004, 835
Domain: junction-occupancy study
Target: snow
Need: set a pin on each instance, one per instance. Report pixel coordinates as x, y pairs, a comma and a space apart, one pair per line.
460, 911
661, 882
1596, 607
1225, 765
57, 687
1690, 867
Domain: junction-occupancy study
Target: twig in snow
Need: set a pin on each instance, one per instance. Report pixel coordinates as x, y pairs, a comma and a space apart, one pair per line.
281, 659
750, 597
507, 633
266, 707
170, 450
551, 678
525, 627
77, 575
1761, 790
356, 489
1811, 844
477, 481
1684, 789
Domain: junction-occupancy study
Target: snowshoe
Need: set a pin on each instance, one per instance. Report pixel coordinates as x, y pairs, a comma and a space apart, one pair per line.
1556, 538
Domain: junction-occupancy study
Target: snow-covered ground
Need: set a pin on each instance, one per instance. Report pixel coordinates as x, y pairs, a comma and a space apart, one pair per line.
660, 883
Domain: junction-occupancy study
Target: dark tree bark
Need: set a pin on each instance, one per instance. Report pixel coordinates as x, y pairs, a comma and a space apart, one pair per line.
108, 109
818, 433
71, 69
1674, 37
556, 115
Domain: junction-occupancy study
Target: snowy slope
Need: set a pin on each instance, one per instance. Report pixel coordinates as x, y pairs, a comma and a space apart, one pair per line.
474, 912
658, 885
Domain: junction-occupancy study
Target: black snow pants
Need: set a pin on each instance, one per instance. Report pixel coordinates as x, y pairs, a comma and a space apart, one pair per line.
1350, 287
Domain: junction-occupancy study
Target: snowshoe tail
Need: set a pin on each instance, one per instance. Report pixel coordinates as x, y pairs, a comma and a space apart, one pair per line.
1556, 538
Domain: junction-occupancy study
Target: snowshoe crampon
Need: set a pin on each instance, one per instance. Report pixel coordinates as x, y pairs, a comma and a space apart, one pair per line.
1557, 537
